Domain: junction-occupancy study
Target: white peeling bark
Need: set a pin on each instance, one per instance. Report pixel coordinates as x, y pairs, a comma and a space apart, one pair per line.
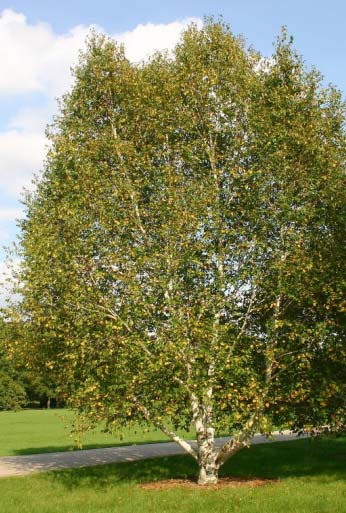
207, 456
173, 436
238, 442
205, 433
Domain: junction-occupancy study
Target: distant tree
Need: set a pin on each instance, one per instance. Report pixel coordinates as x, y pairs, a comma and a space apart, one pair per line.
22, 383
173, 255
12, 393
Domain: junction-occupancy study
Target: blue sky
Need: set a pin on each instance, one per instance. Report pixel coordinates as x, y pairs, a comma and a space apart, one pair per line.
39, 41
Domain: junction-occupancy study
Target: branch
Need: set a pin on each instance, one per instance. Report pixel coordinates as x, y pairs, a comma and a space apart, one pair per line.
132, 194
182, 384
238, 442
114, 315
173, 436
247, 315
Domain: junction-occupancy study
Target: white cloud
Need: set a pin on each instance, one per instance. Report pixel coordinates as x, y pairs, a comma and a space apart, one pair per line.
21, 47
62, 54
21, 155
33, 58
146, 39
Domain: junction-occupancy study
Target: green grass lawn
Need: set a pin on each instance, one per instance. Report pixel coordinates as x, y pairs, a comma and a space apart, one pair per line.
35, 431
311, 474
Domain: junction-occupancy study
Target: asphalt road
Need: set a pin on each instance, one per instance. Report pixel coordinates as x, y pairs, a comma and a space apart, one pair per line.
24, 465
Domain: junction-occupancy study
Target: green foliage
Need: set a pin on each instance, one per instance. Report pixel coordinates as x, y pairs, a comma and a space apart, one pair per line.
12, 393
20, 385
183, 253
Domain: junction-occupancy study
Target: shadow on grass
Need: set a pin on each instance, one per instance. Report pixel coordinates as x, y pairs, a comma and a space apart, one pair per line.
155, 469
304, 458
301, 458
71, 448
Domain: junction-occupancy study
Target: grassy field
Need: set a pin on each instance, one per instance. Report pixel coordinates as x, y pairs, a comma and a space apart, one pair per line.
35, 431
311, 479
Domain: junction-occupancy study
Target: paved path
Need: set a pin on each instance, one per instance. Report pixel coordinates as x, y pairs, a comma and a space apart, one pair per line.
23, 465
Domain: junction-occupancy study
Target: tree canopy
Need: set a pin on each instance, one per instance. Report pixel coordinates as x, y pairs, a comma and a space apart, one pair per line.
182, 256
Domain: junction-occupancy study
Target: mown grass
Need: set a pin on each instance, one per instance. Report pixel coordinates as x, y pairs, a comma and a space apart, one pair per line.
311, 479
38, 431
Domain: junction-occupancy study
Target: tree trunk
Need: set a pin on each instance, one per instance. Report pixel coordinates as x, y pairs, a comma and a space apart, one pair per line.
205, 432
207, 455
208, 473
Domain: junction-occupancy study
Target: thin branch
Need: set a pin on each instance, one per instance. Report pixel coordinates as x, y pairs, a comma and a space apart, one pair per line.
131, 191
114, 315
182, 383
247, 315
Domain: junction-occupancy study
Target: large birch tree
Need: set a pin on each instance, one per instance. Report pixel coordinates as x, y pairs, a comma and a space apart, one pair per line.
173, 252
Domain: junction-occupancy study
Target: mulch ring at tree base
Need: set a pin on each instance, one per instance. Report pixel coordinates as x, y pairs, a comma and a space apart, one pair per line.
223, 482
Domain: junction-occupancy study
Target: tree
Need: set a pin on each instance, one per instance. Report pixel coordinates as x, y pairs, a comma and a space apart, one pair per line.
12, 392
173, 252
